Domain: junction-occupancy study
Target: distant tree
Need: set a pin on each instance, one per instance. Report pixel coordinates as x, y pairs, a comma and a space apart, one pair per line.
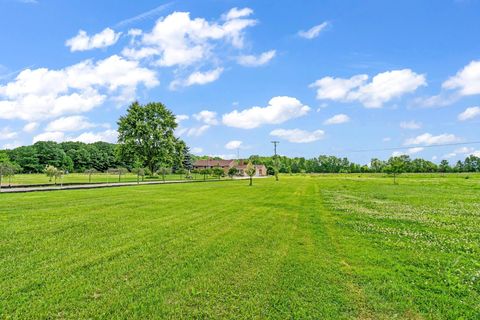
121, 171
50, 171
140, 172
58, 175
444, 166
90, 172
205, 173
218, 172
187, 159
232, 172
164, 171
377, 165
395, 166
147, 132
7, 169
250, 170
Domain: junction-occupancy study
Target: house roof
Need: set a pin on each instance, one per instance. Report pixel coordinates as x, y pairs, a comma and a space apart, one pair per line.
213, 163
243, 166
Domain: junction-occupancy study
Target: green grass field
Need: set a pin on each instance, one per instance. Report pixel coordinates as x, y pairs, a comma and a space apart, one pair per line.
78, 178
322, 247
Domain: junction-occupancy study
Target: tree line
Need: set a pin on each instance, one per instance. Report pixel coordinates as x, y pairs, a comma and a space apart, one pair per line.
147, 145
333, 164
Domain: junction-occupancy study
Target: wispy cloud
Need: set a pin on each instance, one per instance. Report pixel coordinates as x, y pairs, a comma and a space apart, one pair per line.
142, 16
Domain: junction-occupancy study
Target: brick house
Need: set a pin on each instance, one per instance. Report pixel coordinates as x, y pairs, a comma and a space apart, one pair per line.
260, 169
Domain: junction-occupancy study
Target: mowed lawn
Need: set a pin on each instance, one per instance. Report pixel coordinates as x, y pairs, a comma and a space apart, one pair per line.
319, 247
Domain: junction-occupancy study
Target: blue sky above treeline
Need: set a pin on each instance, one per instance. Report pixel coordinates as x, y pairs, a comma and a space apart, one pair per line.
321, 77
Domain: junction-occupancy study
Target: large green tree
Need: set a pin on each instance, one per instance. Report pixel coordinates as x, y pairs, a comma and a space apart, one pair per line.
147, 133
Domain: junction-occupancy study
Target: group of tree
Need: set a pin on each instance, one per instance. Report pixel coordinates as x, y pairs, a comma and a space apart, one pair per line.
147, 145
332, 164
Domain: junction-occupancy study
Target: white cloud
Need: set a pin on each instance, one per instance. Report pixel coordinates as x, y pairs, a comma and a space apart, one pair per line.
223, 156
197, 150
449, 155
82, 41
440, 100
71, 123
90, 137
144, 15
466, 81
337, 119
410, 125
181, 117
207, 117
409, 151
387, 139
382, 88
234, 144
255, 61
314, 31
178, 40
50, 136
279, 110
464, 150
197, 78
30, 127
236, 13
298, 136
11, 145
197, 131
86, 137
43, 93
7, 134
429, 139
469, 113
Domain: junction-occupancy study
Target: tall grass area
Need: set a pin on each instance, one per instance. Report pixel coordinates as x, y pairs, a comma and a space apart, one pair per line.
318, 247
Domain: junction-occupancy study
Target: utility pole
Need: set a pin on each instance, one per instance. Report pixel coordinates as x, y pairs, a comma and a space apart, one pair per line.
275, 158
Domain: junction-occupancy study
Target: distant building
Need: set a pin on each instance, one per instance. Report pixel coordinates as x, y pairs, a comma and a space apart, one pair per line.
241, 165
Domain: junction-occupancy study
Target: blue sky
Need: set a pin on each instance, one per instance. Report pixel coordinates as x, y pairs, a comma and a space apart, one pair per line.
323, 77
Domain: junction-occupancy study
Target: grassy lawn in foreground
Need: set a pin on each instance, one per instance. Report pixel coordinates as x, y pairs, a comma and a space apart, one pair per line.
321, 247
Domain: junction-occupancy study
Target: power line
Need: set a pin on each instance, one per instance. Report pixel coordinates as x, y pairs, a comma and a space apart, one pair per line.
417, 146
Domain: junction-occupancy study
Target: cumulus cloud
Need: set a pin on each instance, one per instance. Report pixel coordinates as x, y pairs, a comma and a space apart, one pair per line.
7, 134
30, 127
256, 61
181, 117
108, 135
314, 31
234, 144
279, 110
43, 93
382, 88
91, 137
178, 40
207, 117
466, 81
236, 13
469, 114
337, 119
298, 135
56, 136
82, 41
72, 123
197, 131
429, 139
409, 151
197, 78
410, 125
